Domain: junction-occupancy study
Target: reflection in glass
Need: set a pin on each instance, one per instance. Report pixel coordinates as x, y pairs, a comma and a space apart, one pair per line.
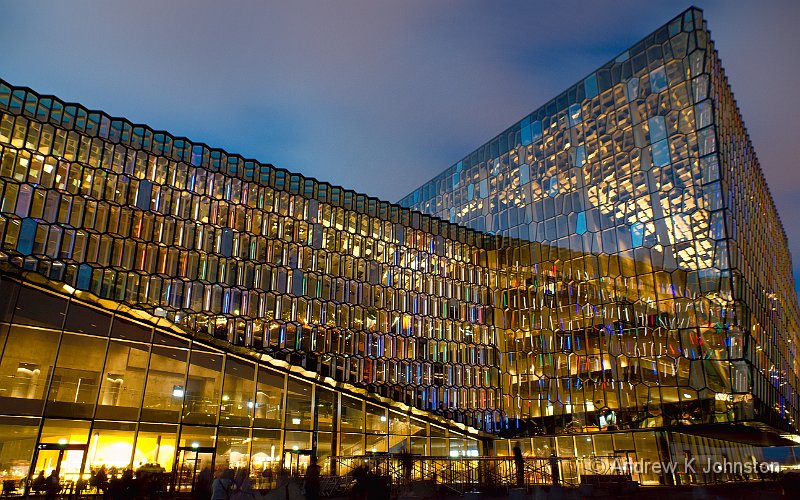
298, 405
27, 361
238, 393
155, 444
269, 399
166, 383
203, 386
122, 387
76, 378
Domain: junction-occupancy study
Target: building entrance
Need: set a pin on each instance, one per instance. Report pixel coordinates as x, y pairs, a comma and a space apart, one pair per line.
296, 461
67, 460
190, 464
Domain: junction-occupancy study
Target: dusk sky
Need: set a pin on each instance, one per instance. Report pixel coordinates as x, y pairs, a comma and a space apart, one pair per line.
381, 96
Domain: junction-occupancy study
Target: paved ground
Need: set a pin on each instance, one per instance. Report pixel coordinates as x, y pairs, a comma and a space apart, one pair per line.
766, 490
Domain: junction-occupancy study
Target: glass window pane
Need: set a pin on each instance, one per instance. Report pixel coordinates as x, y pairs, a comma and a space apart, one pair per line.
122, 386
398, 423
418, 431
298, 405
8, 290
266, 453
439, 447
17, 443
647, 452
76, 378
27, 361
63, 432
233, 448
623, 441
269, 398
566, 446
197, 437
351, 444
584, 446
155, 444
352, 417
130, 330
203, 388
238, 392
377, 443
324, 450
326, 409
166, 384
111, 445
298, 440
377, 422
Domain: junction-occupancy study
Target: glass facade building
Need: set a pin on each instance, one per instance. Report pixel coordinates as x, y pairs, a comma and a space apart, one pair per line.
592, 282
649, 280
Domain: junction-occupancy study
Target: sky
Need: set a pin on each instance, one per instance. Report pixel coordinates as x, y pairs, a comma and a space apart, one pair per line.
380, 96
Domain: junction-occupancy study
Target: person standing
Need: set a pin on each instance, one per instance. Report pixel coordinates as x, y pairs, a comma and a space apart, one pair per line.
407, 463
554, 472
221, 486
53, 486
39, 484
519, 465
202, 487
242, 488
312, 480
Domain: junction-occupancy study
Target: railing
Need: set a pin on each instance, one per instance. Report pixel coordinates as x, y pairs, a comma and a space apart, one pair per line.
461, 474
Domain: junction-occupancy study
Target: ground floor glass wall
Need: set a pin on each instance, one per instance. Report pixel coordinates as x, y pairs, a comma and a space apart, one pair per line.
694, 459
82, 388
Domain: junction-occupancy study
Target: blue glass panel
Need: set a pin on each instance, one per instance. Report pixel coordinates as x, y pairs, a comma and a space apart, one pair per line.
297, 283
658, 129
525, 135
658, 80
575, 115
470, 192
524, 174
580, 224
226, 243
637, 234
590, 86
580, 156
552, 186
633, 89
661, 153
484, 188
525, 131
84, 280
536, 131
144, 195
27, 235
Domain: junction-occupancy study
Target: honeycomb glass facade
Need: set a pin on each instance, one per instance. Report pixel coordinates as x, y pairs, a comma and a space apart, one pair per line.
378, 316
656, 289
586, 282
